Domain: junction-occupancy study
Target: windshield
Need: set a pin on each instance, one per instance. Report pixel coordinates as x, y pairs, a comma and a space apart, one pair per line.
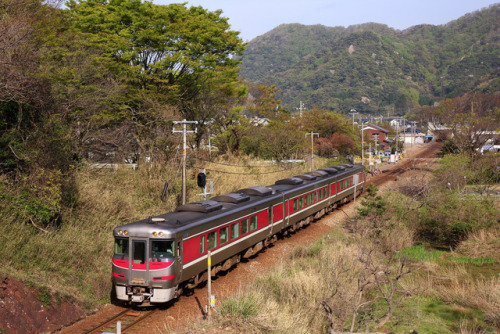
161, 250
121, 249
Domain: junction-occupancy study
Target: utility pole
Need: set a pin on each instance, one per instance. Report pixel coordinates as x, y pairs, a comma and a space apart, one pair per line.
362, 146
404, 132
353, 112
300, 108
312, 134
397, 138
414, 131
184, 131
376, 144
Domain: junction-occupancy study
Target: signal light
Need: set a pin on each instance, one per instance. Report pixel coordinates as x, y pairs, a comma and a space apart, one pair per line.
202, 180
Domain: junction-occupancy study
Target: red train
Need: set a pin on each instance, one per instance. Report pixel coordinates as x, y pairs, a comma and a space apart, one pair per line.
155, 259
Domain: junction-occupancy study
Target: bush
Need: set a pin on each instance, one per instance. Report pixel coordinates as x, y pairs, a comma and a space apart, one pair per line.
448, 218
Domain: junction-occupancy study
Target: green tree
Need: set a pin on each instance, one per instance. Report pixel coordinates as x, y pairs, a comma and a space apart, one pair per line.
167, 50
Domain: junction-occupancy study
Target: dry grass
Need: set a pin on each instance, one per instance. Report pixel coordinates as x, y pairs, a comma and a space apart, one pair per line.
73, 258
291, 297
483, 243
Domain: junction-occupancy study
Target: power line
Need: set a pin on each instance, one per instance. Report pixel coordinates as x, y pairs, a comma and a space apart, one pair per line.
225, 164
234, 173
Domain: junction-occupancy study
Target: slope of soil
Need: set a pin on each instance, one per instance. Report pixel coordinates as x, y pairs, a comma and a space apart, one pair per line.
28, 310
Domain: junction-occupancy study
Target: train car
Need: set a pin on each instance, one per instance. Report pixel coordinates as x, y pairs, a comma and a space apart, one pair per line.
156, 258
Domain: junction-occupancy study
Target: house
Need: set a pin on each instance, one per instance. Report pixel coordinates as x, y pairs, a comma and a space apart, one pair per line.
377, 134
397, 122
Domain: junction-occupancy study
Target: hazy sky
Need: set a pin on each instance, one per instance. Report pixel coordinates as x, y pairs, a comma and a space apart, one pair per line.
256, 17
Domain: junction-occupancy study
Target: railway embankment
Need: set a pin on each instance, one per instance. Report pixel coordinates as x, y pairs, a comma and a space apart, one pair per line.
412, 256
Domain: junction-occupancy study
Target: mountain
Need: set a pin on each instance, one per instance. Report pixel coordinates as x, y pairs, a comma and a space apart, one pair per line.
374, 68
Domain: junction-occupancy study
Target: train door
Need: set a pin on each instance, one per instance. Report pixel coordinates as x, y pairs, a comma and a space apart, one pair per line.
138, 263
178, 261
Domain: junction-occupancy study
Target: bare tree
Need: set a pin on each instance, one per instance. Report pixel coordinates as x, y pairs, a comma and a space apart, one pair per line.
382, 277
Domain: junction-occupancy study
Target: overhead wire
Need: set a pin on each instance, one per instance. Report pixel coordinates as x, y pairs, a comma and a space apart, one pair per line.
226, 164
235, 173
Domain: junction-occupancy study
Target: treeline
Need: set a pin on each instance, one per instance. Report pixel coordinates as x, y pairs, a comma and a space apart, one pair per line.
100, 76
376, 69
106, 79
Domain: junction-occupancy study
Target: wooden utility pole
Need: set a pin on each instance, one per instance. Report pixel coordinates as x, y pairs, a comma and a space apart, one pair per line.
312, 134
184, 131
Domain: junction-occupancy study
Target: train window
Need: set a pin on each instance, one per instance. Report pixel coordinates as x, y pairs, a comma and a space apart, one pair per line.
306, 201
161, 250
223, 235
295, 204
253, 223
244, 226
139, 251
235, 231
212, 240
121, 249
202, 244
317, 196
301, 202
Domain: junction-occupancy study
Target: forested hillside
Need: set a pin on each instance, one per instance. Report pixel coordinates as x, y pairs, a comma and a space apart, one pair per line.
374, 68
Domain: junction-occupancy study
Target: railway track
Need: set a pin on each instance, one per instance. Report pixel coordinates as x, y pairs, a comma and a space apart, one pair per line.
188, 308
426, 156
128, 319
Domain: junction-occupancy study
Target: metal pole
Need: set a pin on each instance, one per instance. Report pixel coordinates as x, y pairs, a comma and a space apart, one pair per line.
209, 284
353, 112
184, 152
362, 146
184, 155
397, 138
300, 108
404, 134
312, 134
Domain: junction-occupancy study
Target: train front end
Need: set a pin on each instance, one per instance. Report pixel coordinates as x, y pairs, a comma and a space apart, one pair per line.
145, 264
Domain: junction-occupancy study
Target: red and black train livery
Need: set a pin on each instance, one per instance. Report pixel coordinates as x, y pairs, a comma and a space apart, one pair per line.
155, 259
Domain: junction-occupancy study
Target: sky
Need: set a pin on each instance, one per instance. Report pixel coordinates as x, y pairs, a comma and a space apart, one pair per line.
256, 17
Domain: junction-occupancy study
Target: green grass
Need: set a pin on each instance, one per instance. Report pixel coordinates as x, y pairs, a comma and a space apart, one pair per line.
240, 307
429, 316
476, 261
419, 253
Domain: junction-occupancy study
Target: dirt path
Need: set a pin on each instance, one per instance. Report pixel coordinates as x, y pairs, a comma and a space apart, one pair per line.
189, 308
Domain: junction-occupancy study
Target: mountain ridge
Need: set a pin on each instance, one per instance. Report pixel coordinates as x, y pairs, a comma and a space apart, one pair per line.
374, 68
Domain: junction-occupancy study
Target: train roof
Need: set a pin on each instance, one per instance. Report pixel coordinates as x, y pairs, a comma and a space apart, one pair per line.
198, 213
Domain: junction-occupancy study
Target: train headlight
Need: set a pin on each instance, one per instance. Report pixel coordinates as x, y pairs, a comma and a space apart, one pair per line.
161, 234
155, 234
125, 232
120, 232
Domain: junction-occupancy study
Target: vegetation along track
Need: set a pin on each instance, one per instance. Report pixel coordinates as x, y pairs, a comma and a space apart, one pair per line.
173, 316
